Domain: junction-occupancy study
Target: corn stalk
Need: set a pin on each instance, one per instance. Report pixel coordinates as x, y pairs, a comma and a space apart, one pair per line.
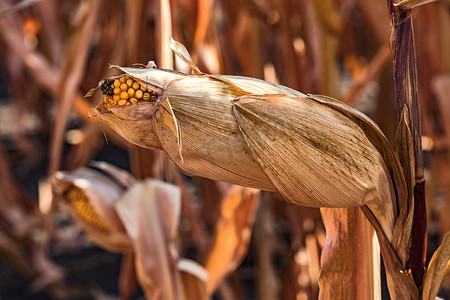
406, 95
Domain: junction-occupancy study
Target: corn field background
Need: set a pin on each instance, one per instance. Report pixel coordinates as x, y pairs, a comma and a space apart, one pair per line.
53, 52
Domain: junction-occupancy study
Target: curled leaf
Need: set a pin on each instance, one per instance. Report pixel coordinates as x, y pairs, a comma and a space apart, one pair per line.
181, 51
232, 234
150, 212
315, 155
438, 270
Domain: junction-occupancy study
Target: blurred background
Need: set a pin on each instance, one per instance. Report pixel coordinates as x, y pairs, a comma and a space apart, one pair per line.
53, 52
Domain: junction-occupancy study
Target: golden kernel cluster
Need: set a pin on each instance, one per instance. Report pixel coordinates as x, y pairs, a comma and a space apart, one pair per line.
80, 204
125, 90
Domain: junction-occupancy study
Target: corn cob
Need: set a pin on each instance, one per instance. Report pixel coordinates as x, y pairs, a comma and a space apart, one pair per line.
314, 150
89, 197
80, 204
124, 90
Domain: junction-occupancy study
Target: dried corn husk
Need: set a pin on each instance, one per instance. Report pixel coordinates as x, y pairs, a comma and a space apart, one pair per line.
89, 196
123, 214
151, 221
314, 150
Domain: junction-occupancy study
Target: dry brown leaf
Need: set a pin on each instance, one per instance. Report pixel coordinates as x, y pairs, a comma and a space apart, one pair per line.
314, 155
150, 213
212, 146
400, 281
438, 270
405, 152
181, 51
194, 279
232, 234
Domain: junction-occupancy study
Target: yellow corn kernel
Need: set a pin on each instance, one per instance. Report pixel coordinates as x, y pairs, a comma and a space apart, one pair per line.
130, 92
122, 102
128, 103
143, 88
146, 96
135, 85
116, 91
80, 204
130, 82
122, 79
123, 87
124, 96
116, 83
133, 100
116, 97
138, 94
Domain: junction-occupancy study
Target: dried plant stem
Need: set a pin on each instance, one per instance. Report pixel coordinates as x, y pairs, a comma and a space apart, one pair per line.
406, 94
350, 257
72, 77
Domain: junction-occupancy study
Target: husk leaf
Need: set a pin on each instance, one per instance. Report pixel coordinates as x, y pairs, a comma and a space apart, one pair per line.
212, 144
438, 270
405, 150
150, 77
400, 281
101, 192
195, 125
150, 212
134, 123
315, 155
182, 52
377, 138
194, 278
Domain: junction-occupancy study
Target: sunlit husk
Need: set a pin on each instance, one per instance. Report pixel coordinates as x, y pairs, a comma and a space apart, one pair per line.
314, 150
150, 213
315, 155
97, 216
212, 145
134, 123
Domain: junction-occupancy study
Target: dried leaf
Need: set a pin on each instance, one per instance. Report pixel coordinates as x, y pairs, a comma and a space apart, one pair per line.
400, 281
405, 151
232, 234
150, 77
181, 51
133, 123
150, 213
212, 144
377, 138
438, 270
315, 155
166, 117
194, 278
